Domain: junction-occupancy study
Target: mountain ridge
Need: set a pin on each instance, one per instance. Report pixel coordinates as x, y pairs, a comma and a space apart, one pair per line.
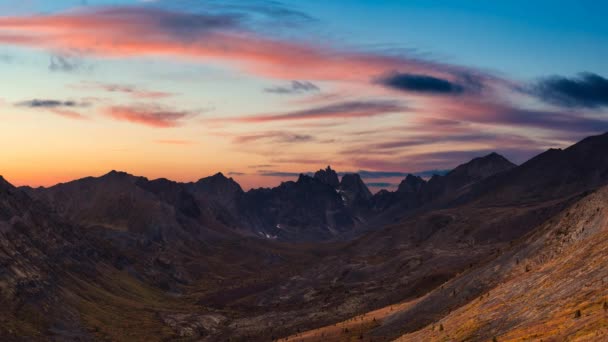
218, 262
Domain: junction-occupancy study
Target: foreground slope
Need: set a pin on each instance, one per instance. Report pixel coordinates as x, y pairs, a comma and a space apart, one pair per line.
550, 285
553, 287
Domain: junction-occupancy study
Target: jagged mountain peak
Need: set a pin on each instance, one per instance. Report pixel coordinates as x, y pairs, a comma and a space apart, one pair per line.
302, 178
352, 183
328, 176
411, 183
483, 167
4, 184
218, 179
115, 173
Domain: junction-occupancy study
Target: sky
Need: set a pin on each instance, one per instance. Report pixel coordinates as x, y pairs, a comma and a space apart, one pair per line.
263, 90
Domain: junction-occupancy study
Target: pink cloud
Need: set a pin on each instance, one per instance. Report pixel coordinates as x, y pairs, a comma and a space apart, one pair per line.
343, 110
146, 115
132, 91
129, 31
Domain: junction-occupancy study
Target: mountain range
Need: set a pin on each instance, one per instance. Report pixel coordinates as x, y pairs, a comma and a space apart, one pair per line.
489, 251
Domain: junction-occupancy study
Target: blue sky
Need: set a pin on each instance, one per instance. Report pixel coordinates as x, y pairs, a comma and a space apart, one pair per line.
186, 88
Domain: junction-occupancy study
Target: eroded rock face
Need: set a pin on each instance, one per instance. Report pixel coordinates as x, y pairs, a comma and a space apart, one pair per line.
355, 191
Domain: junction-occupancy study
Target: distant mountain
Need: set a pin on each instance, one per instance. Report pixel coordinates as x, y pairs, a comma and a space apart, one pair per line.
310, 209
328, 176
439, 191
217, 188
552, 174
122, 257
459, 180
354, 190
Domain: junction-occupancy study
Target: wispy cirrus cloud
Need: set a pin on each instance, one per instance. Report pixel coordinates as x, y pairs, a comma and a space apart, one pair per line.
221, 37
48, 103
70, 114
342, 110
65, 63
505, 114
66, 109
152, 116
130, 90
296, 87
273, 136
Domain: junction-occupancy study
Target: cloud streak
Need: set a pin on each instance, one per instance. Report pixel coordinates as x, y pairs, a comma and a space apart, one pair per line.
70, 114
147, 115
45, 103
135, 32
131, 91
494, 113
296, 87
342, 110
274, 136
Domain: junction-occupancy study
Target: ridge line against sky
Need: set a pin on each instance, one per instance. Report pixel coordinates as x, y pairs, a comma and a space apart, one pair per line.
185, 88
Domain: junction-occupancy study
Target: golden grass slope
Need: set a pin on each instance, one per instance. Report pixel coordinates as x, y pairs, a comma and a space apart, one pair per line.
559, 292
551, 286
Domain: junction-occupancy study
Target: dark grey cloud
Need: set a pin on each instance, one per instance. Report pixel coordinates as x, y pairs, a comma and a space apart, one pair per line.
429, 84
381, 185
64, 63
430, 173
233, 173
391, 174
273, 173
4, 58
587, 90
365, 174
296, 87
45, 103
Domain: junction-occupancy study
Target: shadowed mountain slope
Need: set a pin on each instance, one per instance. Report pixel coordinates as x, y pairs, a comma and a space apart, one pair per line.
208, 261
